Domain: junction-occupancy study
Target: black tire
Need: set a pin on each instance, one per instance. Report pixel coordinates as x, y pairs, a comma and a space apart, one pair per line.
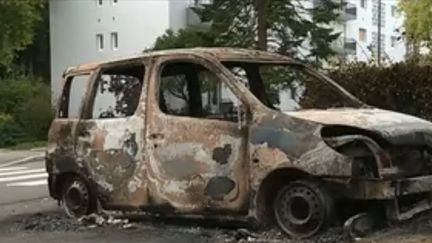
303, 208
76, 199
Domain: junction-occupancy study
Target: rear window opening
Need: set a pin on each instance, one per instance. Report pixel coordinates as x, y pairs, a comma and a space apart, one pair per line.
117, 91
73, 95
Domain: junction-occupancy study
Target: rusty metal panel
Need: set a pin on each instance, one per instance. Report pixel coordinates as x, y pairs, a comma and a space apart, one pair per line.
109, 148
276, 141
111, 152
190, 165
194, 164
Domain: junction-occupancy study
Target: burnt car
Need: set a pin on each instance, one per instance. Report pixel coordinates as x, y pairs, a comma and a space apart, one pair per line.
231, 134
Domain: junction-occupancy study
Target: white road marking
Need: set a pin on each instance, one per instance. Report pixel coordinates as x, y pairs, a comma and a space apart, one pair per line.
12, 168
29, 183
21, 172
24, 177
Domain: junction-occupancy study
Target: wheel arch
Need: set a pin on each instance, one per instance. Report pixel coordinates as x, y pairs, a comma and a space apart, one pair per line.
268, 189
62, 178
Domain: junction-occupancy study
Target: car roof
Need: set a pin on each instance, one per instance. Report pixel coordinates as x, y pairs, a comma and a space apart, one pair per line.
220, 53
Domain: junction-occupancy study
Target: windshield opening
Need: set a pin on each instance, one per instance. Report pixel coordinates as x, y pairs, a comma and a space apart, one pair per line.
289, 87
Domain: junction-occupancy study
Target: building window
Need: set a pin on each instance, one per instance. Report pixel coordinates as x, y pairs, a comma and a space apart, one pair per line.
200, 2
362, 35
363, 3
114, 40
394, 41
100, 42
394, 11
375, 13
375, 42
99, 2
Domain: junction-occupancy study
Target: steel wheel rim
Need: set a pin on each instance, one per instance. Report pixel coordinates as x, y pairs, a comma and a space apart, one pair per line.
76, 199
297, 222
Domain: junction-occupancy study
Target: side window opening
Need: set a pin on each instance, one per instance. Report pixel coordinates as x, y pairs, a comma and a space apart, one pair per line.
73, 95
188, 89
288, 87
118, 91
250, 76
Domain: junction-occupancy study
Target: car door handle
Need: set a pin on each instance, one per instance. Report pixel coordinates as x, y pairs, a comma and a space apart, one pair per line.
156, 136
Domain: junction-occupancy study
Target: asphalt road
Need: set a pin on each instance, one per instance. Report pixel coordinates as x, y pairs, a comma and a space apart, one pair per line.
12, 155
23, 183
28, 215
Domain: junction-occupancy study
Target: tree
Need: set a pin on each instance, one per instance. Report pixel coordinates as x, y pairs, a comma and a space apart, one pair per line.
18, 20
418, 21
285, 26
184, 38
34, 60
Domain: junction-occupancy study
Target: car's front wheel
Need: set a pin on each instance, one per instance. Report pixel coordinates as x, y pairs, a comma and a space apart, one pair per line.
76, 198
302, 208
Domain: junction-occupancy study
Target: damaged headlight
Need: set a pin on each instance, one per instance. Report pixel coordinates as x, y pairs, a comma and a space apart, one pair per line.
411, 161
362, 150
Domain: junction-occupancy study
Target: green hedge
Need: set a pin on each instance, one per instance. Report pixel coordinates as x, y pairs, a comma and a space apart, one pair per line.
10, 131
25, 110
14, 92
404, 87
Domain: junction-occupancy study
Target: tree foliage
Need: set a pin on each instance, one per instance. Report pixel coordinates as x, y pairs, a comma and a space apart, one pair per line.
290, 25
34, 60
418, 20
184, 38
25, 110
18, 20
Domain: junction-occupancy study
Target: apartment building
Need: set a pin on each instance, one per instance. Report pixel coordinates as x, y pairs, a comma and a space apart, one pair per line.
358, 25
88, 30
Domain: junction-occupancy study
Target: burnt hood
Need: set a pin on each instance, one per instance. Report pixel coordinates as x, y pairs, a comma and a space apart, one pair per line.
397, 128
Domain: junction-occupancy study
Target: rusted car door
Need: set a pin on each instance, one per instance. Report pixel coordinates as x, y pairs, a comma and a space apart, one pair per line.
110, 135
196, 150
61, 144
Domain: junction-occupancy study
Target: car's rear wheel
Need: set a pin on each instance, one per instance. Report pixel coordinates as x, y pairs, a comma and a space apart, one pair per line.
303, 208
76, 199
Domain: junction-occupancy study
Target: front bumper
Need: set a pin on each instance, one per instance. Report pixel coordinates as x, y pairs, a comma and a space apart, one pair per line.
391, 192
382, 189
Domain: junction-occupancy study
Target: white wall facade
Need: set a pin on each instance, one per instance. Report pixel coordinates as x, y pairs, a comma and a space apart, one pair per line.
74, 25
393, 50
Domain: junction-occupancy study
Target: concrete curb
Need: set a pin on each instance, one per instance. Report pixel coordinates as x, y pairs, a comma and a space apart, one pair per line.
39, 149
24, 160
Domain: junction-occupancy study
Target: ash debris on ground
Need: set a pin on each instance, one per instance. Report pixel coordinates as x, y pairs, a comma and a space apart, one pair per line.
59, 222
408, 231
276, 236
46, 223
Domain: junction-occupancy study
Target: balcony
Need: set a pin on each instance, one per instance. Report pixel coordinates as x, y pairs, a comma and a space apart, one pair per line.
350, 46
345, 46
192, 19
348, 12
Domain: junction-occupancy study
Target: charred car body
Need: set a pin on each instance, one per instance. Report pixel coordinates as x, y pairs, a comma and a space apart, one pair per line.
230, 133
